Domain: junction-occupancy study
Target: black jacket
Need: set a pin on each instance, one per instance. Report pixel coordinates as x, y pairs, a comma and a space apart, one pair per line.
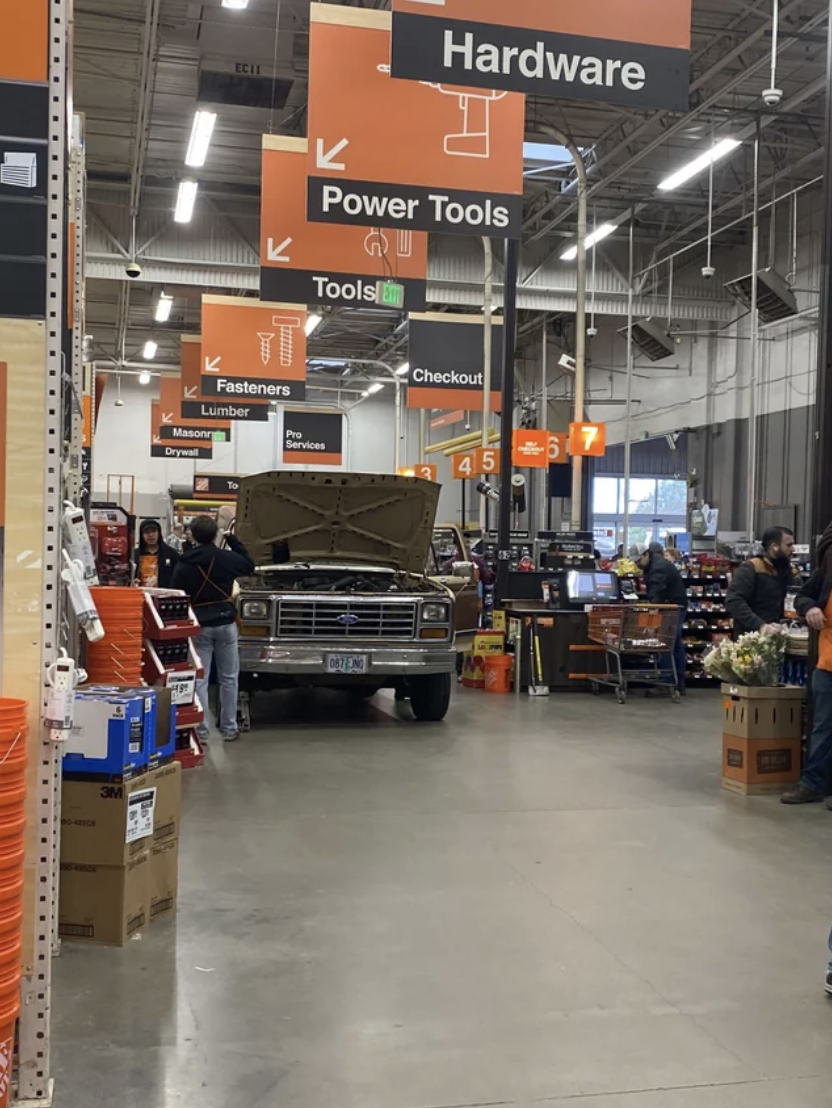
167, 564
207, 574
817, 591
757, 594
664, 583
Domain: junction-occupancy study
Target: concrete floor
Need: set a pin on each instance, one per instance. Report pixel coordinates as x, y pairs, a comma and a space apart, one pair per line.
542, 900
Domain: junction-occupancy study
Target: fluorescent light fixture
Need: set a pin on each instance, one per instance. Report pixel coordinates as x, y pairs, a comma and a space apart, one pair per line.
377, 386
163, 308
365, 394
150, 348
201, 132
313, 322
185, 201
144, 378
599, 233
692, 169
236, 5
403, 369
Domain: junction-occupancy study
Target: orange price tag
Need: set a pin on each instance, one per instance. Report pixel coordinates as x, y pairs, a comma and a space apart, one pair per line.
588, 440
462, 466
426, 472
557, 449
487, 461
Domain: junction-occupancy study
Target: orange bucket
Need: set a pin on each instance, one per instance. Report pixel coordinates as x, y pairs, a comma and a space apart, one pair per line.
11, 888
9, 1010
12, 798
13, 712
12, 856
498, 671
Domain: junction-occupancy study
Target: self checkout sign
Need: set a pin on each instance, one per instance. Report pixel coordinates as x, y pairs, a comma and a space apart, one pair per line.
588, 440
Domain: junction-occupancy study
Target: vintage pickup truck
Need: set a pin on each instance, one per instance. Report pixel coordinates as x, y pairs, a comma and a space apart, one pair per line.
341, 597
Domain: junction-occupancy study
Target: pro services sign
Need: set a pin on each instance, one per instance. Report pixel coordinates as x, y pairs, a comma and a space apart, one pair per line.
313, 438
630, 52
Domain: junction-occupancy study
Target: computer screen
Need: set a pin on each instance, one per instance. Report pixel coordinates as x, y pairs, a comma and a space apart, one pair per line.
591, 587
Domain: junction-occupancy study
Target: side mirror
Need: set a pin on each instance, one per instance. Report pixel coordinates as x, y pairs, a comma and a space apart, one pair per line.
465, 570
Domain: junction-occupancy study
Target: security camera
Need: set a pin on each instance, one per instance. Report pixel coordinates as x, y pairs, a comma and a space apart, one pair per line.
133, 270
772, 97
467, 426
566, 361
119, 403
591, 332
486, 489
708, 272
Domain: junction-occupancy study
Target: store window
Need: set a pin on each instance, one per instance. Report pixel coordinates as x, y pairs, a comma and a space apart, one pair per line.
658, 508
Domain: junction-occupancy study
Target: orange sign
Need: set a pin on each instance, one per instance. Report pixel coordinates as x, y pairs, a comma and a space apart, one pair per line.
588, 440
161, 448
487, 461
447, 420
86, 424
253, 350
315, 263
195, 406
462, 466
24, 41
174, 425
387, 153
426, 472
557, 449
530, 449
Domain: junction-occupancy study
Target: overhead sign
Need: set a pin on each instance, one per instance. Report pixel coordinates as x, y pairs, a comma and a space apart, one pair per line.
406, 154
446, 362
195, 406
447, 419
176, 428
159, 448
635, 53
588, 440
530, 449
313, 438
216, 486
487, 461
462, 467
253, 350
557, 449
333, 266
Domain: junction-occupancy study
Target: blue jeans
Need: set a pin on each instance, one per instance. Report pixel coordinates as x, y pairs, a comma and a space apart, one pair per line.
220, 645
816, 771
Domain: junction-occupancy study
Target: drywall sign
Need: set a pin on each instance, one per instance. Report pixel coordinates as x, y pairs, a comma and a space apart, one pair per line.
326, 264
195, 406
252, 349
446, 362
313, 438
406, 154
160, 448
630, 52
174, 426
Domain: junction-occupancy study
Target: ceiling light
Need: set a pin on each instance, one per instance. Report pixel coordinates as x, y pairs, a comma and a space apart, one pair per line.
237, 5
599, 233
313, 322
185, 201
163, 308
720, 150
377, 386
150, 348
365, 394
203, 128
403, 369
144, 378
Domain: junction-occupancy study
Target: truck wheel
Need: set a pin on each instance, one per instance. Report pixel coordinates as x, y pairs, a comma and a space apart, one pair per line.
430, 696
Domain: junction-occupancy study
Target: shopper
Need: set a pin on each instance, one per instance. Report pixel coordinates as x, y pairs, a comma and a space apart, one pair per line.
814, 604
155, 561
665, 586
757, 595
207, 574
176, 538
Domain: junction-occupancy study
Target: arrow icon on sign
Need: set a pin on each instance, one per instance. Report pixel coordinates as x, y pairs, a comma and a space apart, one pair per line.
191, 393
276, 252
167, 417
325, 159
213, 366
157, 441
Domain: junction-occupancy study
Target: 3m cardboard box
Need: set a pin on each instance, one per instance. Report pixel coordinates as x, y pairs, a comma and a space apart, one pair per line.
104, 904
762, 713
167, 816
760, 767
164, 880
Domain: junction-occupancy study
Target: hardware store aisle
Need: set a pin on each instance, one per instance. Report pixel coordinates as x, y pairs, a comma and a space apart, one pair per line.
538, 901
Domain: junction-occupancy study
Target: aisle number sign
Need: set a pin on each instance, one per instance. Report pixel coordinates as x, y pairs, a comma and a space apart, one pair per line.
557, 449
487, 461
636, 53
462, 467
530, 449
588, 440
425, 472
406, 154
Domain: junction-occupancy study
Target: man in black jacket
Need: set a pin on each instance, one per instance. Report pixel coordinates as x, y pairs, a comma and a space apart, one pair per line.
207, 574
757, 595
154, 560
665, 586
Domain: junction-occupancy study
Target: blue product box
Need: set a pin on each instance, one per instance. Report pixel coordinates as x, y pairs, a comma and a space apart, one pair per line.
149, 698
108, 737
163, 746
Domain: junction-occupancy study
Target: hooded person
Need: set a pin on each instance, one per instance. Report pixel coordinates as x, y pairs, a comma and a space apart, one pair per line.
155, 561
756, 598
665, 585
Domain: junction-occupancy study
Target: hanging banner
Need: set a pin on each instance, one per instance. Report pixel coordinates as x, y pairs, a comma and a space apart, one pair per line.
588, 440
446, 362
253, 350
327, 265
216, 486
530, 449
413, 155
313, 438
195, 406
175, 427
188, 448
636, 53
447, 419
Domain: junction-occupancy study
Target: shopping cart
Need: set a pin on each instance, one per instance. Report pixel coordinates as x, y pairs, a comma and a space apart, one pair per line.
643, 631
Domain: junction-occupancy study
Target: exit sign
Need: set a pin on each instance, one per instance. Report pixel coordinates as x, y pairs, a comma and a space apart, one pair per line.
219, 436
389, 294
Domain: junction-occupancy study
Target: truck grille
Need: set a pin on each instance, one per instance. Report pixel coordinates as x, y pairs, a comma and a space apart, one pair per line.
343, 619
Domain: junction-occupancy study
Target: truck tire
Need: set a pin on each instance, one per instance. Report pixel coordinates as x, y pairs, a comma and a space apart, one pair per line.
430, 696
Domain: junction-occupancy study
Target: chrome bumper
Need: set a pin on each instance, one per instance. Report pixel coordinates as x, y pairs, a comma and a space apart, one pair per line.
304, 658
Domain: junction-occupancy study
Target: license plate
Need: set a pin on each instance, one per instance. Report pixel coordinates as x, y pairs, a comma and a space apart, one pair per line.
346, 664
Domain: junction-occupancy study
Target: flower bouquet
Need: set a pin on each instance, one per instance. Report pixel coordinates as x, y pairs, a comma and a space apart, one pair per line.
754, 659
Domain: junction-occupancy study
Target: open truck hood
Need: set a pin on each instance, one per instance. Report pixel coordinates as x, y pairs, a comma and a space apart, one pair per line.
370, 518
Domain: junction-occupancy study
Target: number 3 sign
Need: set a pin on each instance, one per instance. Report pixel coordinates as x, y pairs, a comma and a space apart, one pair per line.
588, 440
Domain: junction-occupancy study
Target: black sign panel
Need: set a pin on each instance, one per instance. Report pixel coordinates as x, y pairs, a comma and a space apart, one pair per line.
171, 451
334, 290
414, 208
24, 111
313, 438
216, 486
446, 362
86, 470
177, 432
252, 388
214, 410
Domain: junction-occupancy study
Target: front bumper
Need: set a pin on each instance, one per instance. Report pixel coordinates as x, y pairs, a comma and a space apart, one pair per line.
301, 659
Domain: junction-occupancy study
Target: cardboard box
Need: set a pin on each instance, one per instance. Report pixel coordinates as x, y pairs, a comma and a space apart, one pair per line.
109, 735
499, 621
104, 904
762, 713
760, 767
164, 880
111, 824
490, 642
160, 719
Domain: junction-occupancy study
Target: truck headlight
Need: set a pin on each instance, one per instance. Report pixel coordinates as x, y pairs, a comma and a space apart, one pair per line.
255, 609
435, 613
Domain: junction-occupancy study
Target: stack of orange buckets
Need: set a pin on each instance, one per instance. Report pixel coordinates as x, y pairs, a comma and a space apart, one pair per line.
13, 732
117, 658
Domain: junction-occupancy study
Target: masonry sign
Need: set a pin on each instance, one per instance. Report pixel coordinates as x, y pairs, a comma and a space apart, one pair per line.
183, 448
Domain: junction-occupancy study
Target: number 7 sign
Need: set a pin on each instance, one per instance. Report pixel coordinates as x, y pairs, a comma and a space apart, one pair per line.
588, 440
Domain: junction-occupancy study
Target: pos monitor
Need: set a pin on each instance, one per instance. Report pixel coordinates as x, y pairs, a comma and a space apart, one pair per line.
591, 587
